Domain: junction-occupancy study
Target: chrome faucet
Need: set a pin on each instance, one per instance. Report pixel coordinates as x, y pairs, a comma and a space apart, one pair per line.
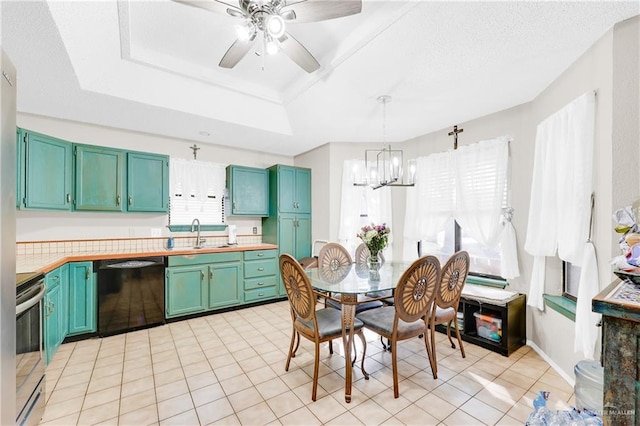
198, 240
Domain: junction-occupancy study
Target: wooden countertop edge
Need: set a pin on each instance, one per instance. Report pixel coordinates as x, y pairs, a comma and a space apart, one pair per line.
612, 307
84, 257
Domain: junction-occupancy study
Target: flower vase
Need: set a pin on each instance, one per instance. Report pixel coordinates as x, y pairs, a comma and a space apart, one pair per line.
374, 266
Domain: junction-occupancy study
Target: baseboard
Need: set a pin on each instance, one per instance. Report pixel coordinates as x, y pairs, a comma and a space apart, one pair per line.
553, 365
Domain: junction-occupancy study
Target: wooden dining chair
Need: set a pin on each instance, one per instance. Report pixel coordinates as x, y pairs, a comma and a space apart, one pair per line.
334, 258
445, 307
414, 297
316, 325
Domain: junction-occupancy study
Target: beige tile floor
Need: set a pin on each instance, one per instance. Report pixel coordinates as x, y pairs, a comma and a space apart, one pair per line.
229, 369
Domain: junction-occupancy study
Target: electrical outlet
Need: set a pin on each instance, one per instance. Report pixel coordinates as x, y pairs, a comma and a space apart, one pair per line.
156, 232
255, 230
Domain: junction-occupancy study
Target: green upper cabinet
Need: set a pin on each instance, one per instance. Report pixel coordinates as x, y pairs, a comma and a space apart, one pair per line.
99, 178
248, 191
53, 174
45, 170
294, 190
147, 182
82, 298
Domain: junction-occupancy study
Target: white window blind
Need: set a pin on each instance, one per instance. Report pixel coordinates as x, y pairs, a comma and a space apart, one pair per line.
197, 190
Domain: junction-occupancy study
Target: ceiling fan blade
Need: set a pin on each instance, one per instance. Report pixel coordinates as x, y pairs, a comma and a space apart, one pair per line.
321, 10
236, 52
217, 6
298, 53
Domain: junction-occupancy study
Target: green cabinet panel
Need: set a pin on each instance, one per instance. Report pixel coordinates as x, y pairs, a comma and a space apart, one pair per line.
248, 191
294, 189
259, 294
45, 170
99, 178
260, 268
289, 222
303, 190
147, 182
224, 288
55, 310
82, 298
260, 254
185, 290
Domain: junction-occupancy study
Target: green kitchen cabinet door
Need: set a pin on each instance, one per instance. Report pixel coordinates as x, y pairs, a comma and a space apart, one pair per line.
186, 290
45, 172
294, 189
147, 182
54, 310
286, 189
82, 299
303, 235
225, 280
248, 191
99, 178
52, 300
303, 190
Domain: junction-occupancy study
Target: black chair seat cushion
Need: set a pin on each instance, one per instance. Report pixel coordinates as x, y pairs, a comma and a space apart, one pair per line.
329, 322
381, 321
360, 307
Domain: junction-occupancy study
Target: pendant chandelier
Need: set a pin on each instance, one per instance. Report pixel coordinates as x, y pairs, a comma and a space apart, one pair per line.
384, 167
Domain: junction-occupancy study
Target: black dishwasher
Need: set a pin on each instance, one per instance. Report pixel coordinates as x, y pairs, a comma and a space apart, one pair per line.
130, 294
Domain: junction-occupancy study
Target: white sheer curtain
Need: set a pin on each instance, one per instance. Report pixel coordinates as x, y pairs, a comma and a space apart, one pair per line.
431, 202
560, 207
481, 179
361, 205
469, 185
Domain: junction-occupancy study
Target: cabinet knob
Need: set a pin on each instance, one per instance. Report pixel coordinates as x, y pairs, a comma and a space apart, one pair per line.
130, 200
117, 200
260, 269
201, 276
260, 294
68, 198
210, 275
260, 283
260, 254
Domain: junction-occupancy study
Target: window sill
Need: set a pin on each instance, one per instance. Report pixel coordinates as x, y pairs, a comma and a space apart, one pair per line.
562, 305
490, 282
187, 228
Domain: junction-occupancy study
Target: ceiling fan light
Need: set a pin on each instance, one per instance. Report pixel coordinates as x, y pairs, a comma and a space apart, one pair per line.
275, 26
245, 31
271, 47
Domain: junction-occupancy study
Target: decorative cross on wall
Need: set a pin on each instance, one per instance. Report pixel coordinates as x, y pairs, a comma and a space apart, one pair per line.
195, 149
455, 136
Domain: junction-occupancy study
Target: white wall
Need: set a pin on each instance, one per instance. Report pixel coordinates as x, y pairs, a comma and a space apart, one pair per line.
610, 67
41, 226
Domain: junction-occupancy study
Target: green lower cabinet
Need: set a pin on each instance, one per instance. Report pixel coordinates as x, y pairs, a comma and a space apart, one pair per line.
186, 290
82, 299
260, 275
55, 310
224, 289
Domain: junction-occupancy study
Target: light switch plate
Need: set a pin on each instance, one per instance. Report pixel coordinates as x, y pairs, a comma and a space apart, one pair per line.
156, 232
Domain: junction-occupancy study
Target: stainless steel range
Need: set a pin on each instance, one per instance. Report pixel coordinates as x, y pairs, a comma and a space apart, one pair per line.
30, 368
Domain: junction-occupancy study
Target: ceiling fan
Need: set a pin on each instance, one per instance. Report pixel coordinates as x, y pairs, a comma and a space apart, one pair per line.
270, 17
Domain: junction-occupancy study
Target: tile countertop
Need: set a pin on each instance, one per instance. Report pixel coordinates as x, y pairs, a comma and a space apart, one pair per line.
48, 262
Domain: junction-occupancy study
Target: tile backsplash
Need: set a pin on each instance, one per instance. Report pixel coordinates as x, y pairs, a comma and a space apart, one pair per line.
117, 245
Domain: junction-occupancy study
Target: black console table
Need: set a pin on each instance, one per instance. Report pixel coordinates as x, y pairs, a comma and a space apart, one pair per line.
507, 308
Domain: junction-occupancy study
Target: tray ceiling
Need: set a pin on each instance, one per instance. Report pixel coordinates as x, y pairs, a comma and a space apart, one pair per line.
152, 66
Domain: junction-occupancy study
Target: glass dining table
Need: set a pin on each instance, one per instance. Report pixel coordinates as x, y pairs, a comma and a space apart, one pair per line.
345, 283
